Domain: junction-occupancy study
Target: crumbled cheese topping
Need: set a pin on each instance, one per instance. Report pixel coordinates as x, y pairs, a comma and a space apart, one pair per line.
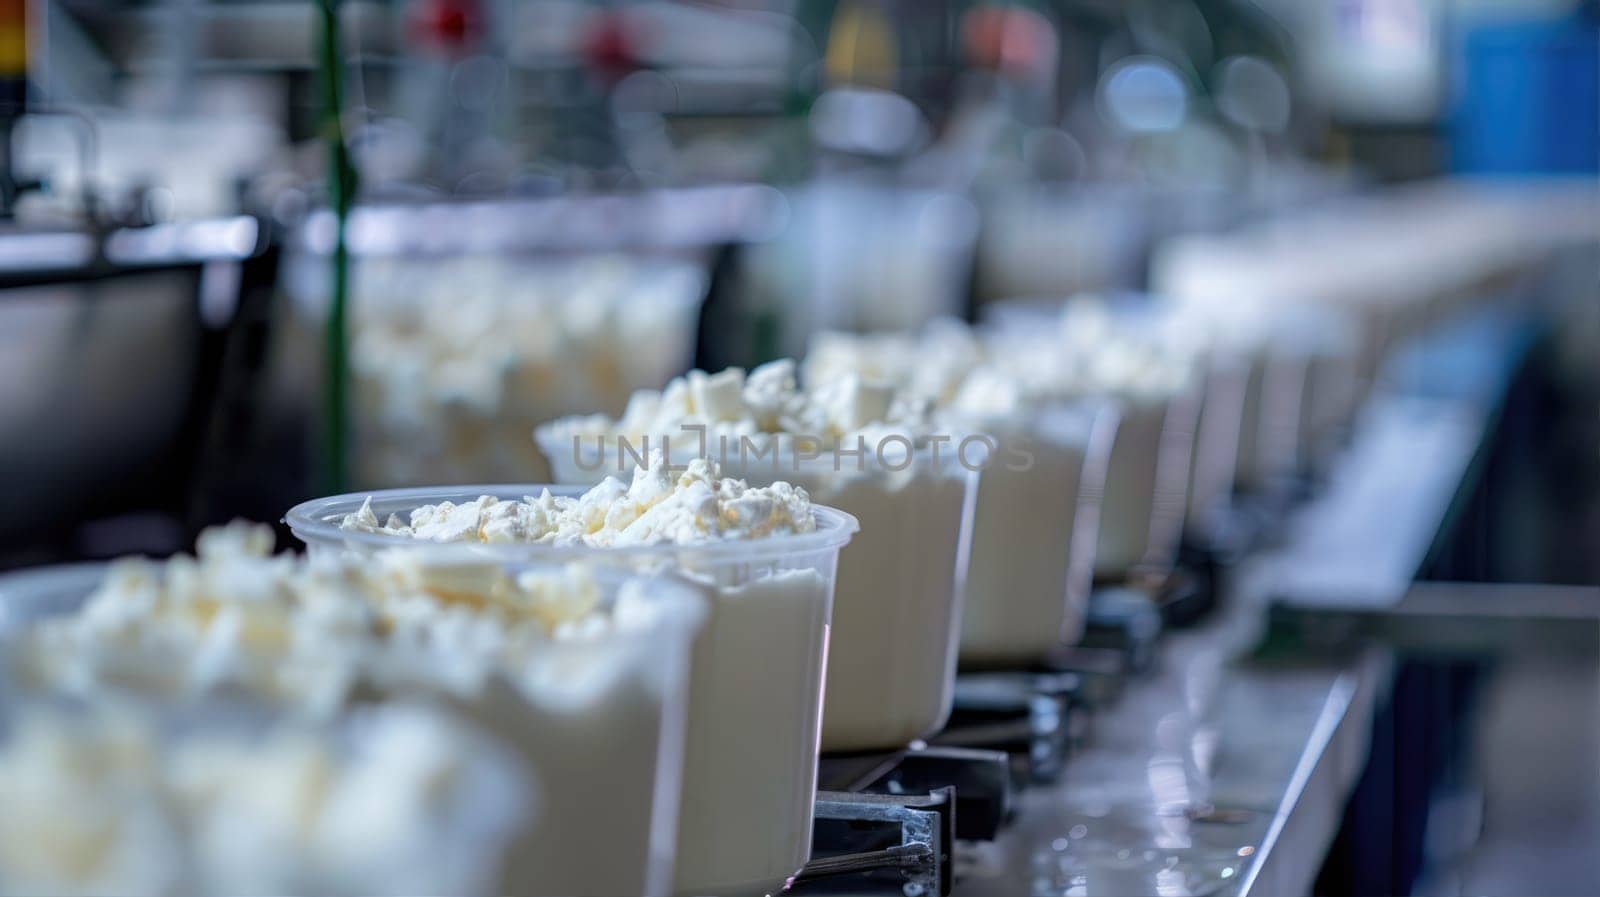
768, 403
968, 372
929, 365
288, 628
661, 504
108, 803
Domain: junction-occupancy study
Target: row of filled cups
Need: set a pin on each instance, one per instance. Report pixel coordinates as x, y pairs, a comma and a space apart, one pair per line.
653, 662
994, 475
627, 702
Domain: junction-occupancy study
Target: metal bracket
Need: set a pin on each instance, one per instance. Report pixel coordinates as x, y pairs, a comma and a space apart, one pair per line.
981, 779
876, 840
1035, 717
1124, 619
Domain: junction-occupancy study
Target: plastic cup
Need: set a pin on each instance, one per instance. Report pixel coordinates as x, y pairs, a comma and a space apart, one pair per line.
1034, 533
600, 724
558, 336
755, 694
1225, 382
1147, 485
897, 617
207, 798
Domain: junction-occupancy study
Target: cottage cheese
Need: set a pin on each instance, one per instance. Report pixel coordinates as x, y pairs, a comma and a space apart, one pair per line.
454, 361
1151, 376
1031, 557
750, 766
932, 364
892, 657
660, 504
410, 800
764, 419
546, 660
756, 676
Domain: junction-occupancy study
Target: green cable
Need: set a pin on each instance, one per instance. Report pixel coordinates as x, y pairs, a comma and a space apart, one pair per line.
341, 186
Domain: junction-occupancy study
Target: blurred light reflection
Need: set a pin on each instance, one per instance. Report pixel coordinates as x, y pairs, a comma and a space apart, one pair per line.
1143, 95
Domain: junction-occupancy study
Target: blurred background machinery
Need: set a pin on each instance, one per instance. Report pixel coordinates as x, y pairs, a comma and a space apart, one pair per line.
562, 201
894, 161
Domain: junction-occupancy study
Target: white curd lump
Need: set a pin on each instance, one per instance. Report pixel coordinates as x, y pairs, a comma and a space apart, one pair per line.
756, 683
573, 674
455, 360
402, 800
891, 662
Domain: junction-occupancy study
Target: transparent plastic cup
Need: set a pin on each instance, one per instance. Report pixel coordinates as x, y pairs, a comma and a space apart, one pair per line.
456, 354
1270, 433
897, 616
1328, 341
1214, 463
756, 681
897, 613
1147, 485
208, 797
599, 722
1034, 533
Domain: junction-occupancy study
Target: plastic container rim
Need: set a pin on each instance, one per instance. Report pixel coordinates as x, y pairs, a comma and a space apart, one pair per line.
316, 521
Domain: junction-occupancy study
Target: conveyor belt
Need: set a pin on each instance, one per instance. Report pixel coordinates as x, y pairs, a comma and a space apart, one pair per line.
1218, 774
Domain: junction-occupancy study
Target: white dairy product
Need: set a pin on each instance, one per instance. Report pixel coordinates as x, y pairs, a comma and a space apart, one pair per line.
763, 421
898, 602
1036, 515
1025, 584
1385, 262
1301, 381
1033, 538
583, 678
767, 560
406, 800
1149, 371
933, 363
1142, 515
897, 608
750, 773
455, 360
660, 505
1216, 442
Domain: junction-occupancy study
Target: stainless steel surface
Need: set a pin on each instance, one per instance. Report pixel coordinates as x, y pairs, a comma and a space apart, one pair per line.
99, 355
682, 219
1221, 775
1404, 472
1464, 619
1206, 777
97, 378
